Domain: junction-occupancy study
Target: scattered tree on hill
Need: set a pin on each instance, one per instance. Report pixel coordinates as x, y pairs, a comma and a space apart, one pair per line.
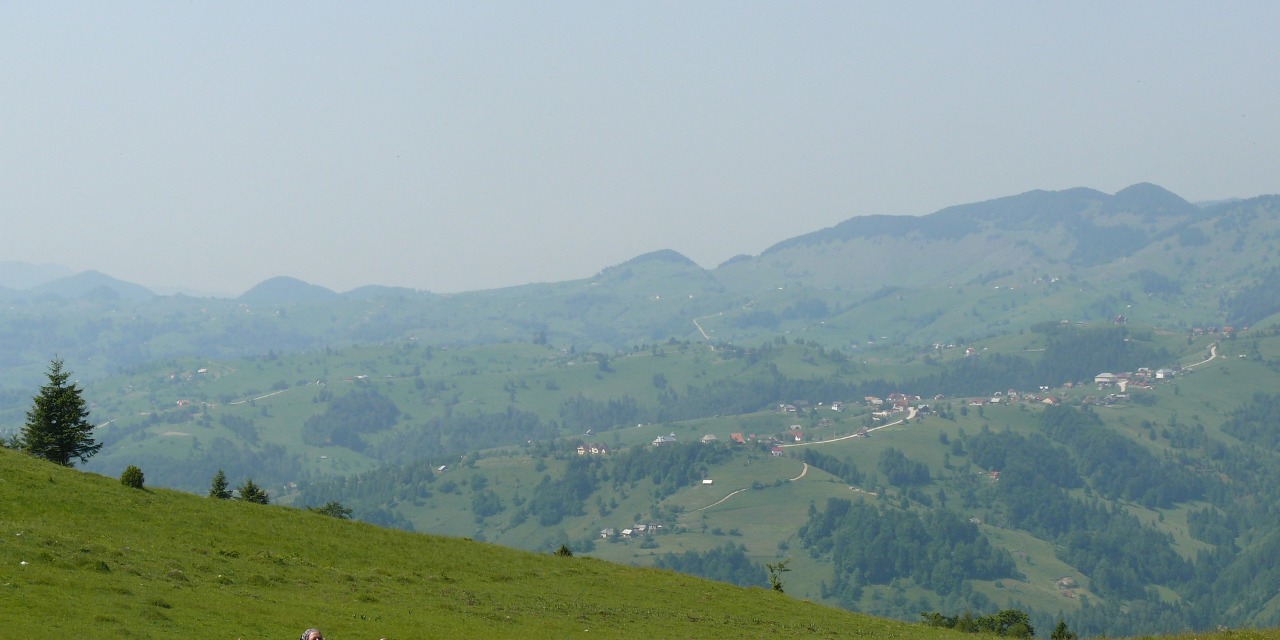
1061, 632
251, 492
219, 488
349, 418
902, 471
333, 509
132, 477
1010, 623
727, 563
776, 569
58, 428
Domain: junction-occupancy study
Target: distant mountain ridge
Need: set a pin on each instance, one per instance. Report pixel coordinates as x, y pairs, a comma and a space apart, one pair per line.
23, 275
94, 284
285, 289
1095, 225
1028, 211
970, 270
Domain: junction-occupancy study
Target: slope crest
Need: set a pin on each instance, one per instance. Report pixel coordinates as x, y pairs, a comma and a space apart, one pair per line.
95, 284
83, 556
282, 289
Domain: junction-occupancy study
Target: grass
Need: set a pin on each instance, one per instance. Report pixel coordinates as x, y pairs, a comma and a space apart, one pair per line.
82, 555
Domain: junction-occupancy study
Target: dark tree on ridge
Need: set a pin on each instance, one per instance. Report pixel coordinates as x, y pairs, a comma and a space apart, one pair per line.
58, 428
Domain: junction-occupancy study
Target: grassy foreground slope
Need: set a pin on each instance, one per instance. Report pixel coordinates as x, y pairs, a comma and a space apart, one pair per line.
81, 555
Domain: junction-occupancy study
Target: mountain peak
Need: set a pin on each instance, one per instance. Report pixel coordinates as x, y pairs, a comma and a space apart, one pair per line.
1150, 200
97, 284
661, 255
282, 289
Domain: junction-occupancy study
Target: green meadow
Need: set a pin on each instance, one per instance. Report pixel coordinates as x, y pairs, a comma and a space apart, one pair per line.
83, 556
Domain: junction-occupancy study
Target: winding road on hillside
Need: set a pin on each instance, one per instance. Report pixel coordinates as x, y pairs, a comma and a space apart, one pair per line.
273, 393
705, 335
911, 413
720, 501
803, 471
1213, 353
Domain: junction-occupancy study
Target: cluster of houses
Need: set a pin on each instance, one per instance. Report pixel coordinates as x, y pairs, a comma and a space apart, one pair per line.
1142, 378
593, 449
884, 409
803, 405
1066, 586
1013, 396
1215, 330
635, 531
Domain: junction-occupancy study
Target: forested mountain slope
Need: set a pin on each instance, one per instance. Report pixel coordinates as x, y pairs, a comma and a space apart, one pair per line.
964, 351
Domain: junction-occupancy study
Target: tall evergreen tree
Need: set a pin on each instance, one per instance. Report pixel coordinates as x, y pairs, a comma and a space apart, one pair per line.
218, 489
58, 428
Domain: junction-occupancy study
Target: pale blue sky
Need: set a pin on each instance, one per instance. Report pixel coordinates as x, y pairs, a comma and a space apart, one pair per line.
456, 146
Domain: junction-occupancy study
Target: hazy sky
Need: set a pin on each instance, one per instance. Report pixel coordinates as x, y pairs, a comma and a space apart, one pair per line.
466, 145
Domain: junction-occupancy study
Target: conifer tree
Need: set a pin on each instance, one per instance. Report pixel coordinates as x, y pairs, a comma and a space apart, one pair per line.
251, 492
219, 487
58, 428
1061, 632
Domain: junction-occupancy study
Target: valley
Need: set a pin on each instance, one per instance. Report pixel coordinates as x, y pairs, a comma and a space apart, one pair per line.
1059, 402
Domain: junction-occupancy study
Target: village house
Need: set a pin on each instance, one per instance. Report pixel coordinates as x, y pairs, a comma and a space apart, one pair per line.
899, 401
709, 438
661, 440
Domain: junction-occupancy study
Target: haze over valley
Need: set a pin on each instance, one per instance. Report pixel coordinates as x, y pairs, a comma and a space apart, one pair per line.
968, 311
1064, 394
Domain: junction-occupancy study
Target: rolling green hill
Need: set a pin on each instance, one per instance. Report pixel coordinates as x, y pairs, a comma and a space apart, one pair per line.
964, 273
482, 444
1123, 510
83, 556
